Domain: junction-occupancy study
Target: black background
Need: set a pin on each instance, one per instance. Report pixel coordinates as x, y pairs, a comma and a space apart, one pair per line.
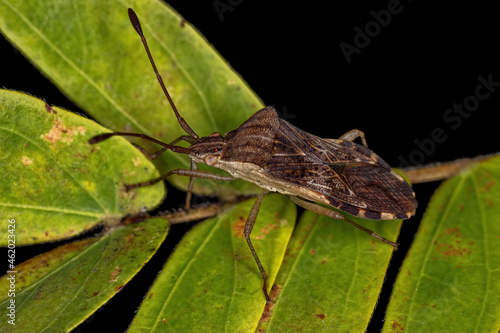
396, 89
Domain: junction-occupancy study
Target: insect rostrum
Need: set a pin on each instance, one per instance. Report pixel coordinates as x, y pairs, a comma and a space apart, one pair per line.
280, 157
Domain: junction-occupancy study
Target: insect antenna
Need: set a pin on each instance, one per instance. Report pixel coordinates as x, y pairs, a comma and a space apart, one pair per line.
105, 136
137, 26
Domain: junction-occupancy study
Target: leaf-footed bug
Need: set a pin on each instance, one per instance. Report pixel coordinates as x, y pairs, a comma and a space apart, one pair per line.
280, 157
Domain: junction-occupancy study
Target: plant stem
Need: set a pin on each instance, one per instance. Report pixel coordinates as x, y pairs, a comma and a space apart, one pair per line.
441, 171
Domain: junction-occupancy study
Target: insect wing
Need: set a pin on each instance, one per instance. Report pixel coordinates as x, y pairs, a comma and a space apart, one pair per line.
342, 174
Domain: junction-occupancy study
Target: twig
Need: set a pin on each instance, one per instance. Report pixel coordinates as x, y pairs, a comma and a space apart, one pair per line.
441, 171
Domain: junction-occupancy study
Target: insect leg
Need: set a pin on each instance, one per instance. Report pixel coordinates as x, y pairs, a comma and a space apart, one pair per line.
353, 134
104, 136
144, 151
183, 172
337, 216
252, 216
189, 191
155, 155
186, 138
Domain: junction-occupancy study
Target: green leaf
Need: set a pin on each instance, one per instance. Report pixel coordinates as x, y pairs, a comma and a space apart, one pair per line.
450, 281
54, 184
80, 277
93, 54
34, 269
211, 282
331, 276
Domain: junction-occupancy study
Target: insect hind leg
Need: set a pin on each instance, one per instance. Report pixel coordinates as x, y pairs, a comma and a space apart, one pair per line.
337, 216
249, 224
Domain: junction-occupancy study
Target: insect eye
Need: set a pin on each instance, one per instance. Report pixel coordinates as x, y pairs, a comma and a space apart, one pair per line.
210, 159
216, 150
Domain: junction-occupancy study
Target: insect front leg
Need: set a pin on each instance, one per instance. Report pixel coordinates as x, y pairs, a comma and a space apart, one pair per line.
353, 134
189, 192
252, 216
337, 216
182, 172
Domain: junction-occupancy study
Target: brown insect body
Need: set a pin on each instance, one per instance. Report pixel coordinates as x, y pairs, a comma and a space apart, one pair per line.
280, 157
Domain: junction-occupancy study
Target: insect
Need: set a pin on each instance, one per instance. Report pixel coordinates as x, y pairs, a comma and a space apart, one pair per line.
280, 157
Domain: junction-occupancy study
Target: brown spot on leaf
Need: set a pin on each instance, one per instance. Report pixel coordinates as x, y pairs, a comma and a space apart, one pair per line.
38, 294
26, 160
264, 231
115, 274
130, 238
320, 316
276, 216
95, 293
59, 132
397, 327
137, 161
488, 185
55, 132
453, 230
239, 227
81, 156
450, 245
